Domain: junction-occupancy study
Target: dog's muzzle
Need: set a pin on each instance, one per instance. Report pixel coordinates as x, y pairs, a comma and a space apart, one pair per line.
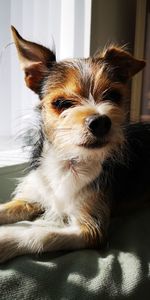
98, 125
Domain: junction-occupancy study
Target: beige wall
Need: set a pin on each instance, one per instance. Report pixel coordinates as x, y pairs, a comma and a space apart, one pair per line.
112, 21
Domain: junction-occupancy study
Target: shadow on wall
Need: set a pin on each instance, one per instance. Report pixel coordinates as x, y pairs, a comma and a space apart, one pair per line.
113, 21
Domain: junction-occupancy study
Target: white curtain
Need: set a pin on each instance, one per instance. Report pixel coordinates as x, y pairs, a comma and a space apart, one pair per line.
67, 22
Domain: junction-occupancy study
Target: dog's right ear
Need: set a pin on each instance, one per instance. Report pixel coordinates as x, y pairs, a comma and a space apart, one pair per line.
35, 60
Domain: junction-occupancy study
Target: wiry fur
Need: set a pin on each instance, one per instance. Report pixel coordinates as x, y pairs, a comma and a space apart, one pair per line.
69, 194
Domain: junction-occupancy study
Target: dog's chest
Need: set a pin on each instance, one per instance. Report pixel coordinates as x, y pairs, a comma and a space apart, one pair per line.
64, 193
64, 189
65, 181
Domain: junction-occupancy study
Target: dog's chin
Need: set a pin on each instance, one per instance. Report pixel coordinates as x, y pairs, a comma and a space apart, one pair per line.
94, 145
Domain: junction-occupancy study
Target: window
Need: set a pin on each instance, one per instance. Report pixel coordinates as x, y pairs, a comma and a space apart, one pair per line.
65, 21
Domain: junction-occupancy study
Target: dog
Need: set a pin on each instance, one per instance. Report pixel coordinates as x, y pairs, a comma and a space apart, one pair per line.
88, 164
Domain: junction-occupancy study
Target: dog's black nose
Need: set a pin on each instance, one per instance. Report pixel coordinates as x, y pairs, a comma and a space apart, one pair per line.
99, 125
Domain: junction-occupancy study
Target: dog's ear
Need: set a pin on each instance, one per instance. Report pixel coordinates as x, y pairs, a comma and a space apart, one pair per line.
35, 60
122, 64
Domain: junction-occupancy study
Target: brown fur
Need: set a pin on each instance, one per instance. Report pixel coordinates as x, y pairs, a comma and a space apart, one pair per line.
17, 210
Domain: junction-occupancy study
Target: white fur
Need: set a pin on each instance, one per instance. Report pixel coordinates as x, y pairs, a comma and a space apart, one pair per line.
56, 184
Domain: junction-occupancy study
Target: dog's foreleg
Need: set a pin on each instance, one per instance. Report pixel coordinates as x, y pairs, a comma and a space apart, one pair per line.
24, 238
18, 210
33, 237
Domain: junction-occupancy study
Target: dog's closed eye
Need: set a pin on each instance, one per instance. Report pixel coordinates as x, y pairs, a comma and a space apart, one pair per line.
112, 95
62, 104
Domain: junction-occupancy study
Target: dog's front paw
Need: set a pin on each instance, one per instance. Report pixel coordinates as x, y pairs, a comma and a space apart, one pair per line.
7, 250
3, 219
9, 246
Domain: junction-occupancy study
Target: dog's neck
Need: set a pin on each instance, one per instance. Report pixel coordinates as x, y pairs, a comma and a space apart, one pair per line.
68, 175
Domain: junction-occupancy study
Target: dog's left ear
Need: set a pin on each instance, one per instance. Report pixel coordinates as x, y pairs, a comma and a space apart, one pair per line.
121, 63
35, 60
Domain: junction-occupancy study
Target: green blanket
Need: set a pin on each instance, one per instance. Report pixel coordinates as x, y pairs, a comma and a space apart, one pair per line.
120, 272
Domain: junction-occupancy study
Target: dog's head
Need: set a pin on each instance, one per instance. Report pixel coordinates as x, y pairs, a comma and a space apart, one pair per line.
82, 100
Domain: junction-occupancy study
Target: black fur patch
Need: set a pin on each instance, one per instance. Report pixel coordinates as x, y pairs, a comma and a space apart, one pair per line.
33, 139
36, 152
126, 175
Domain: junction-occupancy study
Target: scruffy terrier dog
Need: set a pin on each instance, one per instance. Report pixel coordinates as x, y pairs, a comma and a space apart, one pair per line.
87, 164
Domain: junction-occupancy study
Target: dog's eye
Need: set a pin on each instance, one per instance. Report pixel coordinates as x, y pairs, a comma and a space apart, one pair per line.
62, 104
112, 95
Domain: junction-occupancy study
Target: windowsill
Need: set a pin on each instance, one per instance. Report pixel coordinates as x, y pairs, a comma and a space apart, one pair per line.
11, 153
13, 165
12, 157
